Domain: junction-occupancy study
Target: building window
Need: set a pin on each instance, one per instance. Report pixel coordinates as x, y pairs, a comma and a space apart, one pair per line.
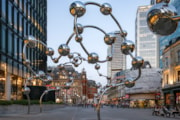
24, 27
178, 76
20, 4
20, 48
178, 56
24, 6
20, 24
2, 87
15, 46
10, 13
10, 43
3, 38
15, 18
178, 98
167, 79
3, 9
166, 62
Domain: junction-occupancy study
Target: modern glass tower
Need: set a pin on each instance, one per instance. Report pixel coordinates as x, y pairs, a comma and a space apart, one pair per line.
118, 62
146, 42
19, 18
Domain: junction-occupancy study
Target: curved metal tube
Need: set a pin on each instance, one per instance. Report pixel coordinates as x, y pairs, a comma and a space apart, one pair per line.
92, 3
91, 26
139, 75
75, 25
99, 103
84, 48
40, 100
69, 39
120, 28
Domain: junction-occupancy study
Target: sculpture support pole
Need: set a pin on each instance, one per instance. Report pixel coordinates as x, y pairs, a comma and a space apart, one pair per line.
40, 100
27, 95
99, 104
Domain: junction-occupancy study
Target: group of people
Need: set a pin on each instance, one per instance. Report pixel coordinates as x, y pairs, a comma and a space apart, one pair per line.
164, 111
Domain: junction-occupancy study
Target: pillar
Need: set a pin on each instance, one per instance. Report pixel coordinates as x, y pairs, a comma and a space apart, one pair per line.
7, 85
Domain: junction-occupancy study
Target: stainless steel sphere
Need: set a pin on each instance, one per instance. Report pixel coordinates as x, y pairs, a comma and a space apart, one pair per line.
49, 69
50, 51
93, 58
26, 90
79, 28
124, 33
159, 19
109, 58
55, 60
97, 66
77, 8
48, 80
76, 64
75, 59
137, 62
70, 56
129, 83
110, 38
127, 46
64, 49
58, 88
41, 73
106, 9
30, 41
78, 38
99, 85
61, 66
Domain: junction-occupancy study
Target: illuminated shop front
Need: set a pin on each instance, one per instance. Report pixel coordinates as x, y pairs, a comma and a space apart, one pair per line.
10, 83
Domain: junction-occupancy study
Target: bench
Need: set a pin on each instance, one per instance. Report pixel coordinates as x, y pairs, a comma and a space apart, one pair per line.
175, 112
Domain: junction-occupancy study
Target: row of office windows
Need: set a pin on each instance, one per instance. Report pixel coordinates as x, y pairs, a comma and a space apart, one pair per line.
12, 45
28, 8
23, 25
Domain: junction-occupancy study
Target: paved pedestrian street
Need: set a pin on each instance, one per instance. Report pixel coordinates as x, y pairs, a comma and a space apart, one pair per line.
80, 113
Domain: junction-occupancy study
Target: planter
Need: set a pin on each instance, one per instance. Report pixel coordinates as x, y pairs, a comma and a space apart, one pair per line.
18, 109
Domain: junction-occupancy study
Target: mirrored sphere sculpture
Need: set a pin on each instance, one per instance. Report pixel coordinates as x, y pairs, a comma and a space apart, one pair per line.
49, 51
63, 49
106, 9
137, 62
159, 19
93, 57
129, 83
26, 90
127, 47
77, 8
110, 38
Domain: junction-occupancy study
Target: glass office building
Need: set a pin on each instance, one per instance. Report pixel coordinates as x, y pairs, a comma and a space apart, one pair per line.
164, 40
147, 42
118, 62
19, 18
